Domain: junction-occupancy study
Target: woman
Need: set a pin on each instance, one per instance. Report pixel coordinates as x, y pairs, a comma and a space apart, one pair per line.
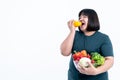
89, 38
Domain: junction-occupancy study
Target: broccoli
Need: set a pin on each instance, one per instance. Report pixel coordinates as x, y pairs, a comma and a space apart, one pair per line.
99, 59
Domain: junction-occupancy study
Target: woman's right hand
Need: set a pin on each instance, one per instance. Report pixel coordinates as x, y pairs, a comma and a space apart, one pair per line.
71, 26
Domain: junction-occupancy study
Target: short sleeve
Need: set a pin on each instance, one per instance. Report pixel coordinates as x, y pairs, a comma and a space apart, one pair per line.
107, 48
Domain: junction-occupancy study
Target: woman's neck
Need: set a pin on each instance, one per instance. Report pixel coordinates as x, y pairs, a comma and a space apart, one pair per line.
89, 33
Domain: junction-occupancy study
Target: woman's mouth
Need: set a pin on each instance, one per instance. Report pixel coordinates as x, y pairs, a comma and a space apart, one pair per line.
83, 24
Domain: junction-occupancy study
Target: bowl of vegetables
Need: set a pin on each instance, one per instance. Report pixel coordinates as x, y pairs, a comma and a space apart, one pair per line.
81, 58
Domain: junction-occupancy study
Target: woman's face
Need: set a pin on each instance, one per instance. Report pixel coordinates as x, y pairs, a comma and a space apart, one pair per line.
84, 20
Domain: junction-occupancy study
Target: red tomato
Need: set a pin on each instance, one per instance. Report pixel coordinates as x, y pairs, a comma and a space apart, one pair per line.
78, 54
88, 56
92, 61
74, 56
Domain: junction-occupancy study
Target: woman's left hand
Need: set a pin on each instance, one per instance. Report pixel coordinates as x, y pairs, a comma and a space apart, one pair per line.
90, 70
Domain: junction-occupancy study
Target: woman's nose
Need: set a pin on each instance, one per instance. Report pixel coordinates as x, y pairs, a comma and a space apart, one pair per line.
80, 19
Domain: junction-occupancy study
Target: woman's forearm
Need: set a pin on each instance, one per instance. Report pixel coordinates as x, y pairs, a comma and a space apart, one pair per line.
67, 44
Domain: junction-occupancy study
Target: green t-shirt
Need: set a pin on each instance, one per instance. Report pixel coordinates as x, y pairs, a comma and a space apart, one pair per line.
98, 42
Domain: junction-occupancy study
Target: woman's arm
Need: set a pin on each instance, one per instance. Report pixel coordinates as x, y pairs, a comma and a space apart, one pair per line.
107, 50
107, 65
67, 44
91, 70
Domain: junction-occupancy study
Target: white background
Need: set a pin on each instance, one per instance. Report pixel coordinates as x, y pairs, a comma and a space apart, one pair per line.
31, 32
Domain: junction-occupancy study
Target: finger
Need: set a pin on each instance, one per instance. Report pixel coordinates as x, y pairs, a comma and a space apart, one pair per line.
78, 66
84, 68
81, 67
90, 64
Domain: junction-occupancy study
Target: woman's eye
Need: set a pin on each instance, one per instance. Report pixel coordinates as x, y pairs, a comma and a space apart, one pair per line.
84, 16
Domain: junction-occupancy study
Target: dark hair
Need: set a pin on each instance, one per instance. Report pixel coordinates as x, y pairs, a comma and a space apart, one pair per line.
93, 21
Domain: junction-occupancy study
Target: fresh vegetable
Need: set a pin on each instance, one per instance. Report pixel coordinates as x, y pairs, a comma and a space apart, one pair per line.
77, 23
79, 55
84, 53
82, 57
84, 62
97, 58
